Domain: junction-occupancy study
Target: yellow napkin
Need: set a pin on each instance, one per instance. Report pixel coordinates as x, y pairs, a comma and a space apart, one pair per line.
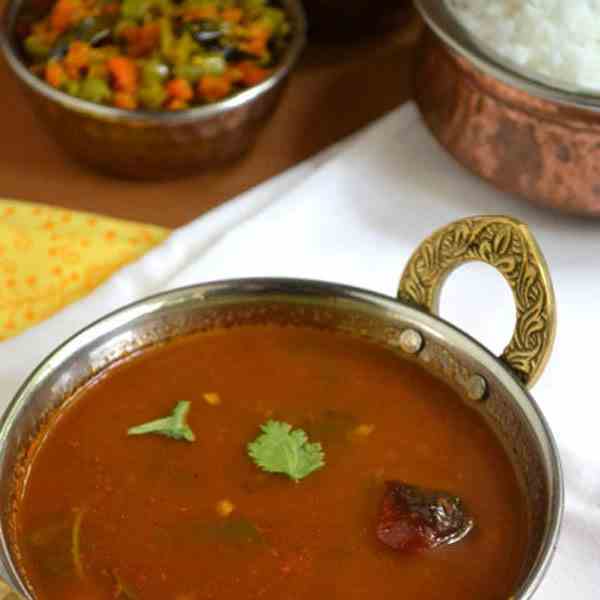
50, 257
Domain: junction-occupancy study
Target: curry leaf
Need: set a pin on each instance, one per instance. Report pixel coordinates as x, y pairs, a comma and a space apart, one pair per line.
173, 426
76, 543
279, 449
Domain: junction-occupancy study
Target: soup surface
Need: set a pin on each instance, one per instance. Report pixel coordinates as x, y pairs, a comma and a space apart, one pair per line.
106, 515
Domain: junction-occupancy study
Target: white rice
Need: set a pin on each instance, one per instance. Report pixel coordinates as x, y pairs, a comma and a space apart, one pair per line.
556, 39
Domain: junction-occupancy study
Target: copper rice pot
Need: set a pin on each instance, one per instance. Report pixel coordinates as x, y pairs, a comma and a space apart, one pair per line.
522, 135
495, 387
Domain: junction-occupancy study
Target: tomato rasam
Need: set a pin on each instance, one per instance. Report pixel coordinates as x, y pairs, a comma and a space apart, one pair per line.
103, 514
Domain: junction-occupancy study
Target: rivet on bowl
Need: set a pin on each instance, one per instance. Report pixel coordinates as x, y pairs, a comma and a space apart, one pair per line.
411, 341
476, 387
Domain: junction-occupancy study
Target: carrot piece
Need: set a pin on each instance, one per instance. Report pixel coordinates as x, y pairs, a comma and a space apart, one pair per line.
177, 104
207, 12
180, 89
258, 38
232, 15
252, 74
64, 14
255, 46
55, 74
234, 74
214, 87
150, 36
77, 58
124, 72
125, 100
44, 33
114, 8
142, 40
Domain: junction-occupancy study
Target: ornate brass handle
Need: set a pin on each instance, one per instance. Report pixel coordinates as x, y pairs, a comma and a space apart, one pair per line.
507, 245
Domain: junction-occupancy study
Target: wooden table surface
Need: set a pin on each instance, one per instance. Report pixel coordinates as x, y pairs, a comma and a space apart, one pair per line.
336, 90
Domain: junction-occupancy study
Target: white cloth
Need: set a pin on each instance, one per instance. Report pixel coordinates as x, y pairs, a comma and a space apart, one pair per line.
353, 215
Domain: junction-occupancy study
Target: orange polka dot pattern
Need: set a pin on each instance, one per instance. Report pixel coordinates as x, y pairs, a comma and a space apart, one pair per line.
50, 257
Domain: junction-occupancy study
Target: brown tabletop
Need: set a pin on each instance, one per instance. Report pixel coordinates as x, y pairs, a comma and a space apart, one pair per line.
336, 90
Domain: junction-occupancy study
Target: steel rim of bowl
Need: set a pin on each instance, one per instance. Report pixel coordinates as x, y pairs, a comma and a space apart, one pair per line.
236, 290
293, 8
446, 26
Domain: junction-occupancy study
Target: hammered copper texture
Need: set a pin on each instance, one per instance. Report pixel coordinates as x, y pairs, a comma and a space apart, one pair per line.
543, 151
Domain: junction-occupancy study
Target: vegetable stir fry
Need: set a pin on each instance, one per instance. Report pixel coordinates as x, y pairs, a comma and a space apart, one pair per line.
155, 54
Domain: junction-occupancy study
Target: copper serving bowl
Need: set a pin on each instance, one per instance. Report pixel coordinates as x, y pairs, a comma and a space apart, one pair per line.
153, 145
524, 135
494, 387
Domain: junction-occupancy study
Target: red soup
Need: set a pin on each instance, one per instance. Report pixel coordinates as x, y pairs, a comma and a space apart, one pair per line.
268, 462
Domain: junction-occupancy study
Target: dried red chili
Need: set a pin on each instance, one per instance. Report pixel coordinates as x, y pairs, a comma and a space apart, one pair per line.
413, 518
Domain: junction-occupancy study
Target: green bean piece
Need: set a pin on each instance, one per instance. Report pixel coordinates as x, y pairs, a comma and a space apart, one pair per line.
152, 95
95, 90
213, 64
189, 71
183, 48
274, 18
199, 65
197, 3
165, 6
154, 71
134, 9
266, 60
254, 7
167, 37
36, 48
72, 87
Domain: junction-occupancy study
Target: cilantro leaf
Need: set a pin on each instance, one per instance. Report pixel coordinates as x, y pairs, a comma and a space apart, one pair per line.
173, 426
279, 449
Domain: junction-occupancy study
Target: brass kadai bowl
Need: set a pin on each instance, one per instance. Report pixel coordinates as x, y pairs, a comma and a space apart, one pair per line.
496, 388
524, 135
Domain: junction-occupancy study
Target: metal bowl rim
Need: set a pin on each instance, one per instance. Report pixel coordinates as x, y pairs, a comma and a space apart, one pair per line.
294, 10
384, 305
445, 25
